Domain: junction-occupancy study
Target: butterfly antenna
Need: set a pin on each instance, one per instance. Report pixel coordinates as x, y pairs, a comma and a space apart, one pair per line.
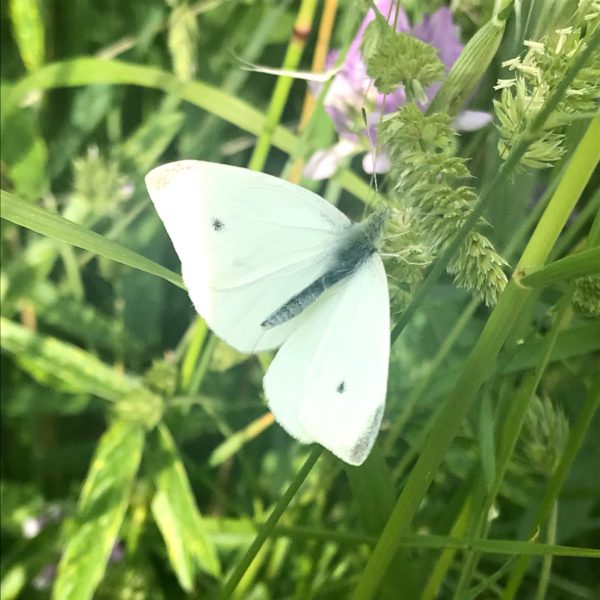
373, 151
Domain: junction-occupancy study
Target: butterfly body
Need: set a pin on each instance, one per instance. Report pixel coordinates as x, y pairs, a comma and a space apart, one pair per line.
269, 265
357, 242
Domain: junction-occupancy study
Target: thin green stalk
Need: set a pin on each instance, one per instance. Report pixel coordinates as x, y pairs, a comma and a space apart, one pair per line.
453, 335
547, 561
192, 353
301, 30
437, 575
236, 78
572, 233
267, 529
509, 435
487, 195
570, 267
480, 362
499, 547
573, 444
202, 365
557, 481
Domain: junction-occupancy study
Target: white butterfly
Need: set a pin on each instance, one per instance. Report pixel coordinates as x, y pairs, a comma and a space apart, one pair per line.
267, 264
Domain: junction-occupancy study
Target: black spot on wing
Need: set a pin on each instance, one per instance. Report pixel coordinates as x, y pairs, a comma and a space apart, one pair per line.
217, 224
341, 388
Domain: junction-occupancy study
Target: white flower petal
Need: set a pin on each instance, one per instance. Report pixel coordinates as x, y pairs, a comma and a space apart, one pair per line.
324, 163
471, 120
382, 163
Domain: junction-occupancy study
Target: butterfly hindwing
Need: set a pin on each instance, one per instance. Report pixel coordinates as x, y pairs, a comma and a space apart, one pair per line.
328, 382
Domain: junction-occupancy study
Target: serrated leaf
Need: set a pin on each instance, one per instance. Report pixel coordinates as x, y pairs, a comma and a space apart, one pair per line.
100, 512
54, 226
175, 511
50, 360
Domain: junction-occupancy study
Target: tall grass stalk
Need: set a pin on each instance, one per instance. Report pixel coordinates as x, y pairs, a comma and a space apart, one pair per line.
481, 359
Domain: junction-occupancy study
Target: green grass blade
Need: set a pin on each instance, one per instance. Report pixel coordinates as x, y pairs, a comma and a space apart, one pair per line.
52, 362
176, 513
480, 362
577, 265
56, 227
576, 438
503, 174
267, 529
283, 86
489, 546
100, 512
28, 31
88, 71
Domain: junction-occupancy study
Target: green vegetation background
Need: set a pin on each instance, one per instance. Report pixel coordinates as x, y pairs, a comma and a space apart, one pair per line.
137, 447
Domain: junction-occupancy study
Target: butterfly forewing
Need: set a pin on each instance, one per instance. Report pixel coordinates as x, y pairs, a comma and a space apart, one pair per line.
247, 243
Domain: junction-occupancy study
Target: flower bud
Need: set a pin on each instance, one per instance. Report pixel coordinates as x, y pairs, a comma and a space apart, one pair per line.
470, 67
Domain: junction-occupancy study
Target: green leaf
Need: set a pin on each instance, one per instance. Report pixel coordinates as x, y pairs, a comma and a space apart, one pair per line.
86, 71
52, 361
13, 582
576, 265
102, 505
572, 342
24, 151
28, 31
175, 511
54, 226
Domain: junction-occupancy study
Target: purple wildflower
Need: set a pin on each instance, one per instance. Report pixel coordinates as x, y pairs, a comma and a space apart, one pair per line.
352, 90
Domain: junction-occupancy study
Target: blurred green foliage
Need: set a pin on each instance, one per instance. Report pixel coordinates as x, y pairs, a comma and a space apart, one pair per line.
137, 458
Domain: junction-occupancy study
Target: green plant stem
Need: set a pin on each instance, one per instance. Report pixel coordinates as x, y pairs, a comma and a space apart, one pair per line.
480, 362
570, 267
549, 500
295, 48
547, 561
500, 547
588, 211
192, 353
267, 529
202, 365
513, 159
557, 481
448, 344
509, 435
